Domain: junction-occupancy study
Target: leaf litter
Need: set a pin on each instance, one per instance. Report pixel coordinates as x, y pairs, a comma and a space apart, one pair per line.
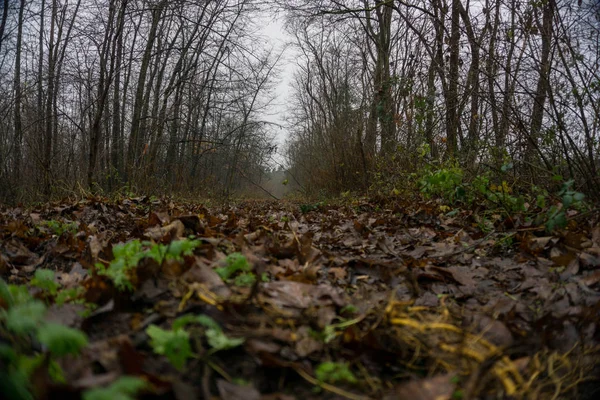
273, 300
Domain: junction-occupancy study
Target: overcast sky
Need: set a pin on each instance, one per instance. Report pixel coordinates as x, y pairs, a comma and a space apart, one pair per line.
273, 30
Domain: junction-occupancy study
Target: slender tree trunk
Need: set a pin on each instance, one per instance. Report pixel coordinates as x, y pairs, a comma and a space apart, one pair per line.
388, 123
537, 113
430, 112
134, 150
4, 18
49, 125
490, 70
18, 98
474, 86
107, 67
452, 118
116, 151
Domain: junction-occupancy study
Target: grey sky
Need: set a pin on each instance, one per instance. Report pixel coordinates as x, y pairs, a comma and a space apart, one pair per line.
275, 33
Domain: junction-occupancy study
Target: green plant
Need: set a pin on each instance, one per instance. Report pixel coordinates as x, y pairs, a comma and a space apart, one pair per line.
126, 257
333, 372
61, 340
22, 323
124, 388
306, 208
44, 279
59, 227
175, 343
331, 331
245, 279
72, 295
172, 251
556, 216
233, 263
215, 336
349, 309
443, 182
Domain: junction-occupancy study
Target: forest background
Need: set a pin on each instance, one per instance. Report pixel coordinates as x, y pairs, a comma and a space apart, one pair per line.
170, 97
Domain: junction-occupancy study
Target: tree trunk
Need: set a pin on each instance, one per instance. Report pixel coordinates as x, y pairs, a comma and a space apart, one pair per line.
4, 18
134, 150
537, 113
18, 97
452, 118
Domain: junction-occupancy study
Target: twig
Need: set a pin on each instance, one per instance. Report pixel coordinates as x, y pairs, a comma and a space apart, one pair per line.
257, 185
328, 387
474, 245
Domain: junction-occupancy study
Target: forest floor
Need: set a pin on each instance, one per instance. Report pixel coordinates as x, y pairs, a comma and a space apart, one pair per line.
282, 300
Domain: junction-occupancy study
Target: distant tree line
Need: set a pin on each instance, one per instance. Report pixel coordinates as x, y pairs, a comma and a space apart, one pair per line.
488, 83
151, 95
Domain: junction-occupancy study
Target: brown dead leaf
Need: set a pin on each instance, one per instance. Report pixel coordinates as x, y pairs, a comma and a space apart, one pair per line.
589, 260
338, 273
174, 230
439, 387
201, 272
231, 391
289, 294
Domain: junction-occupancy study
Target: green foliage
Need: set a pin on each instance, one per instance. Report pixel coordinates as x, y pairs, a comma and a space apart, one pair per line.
69, 295
233, 263
44, 279
174, 344
306, 208
124, 388
219, 341
126, 257
237, 264
21, 324
349, 309
245, 279
331, 331
177, 248
556, 215
214, 334
189, 319
16, 294
444, 182
58, 227
333, 372
22, 319
14, 380
61, 340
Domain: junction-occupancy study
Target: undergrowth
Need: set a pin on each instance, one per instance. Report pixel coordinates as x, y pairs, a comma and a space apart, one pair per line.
489, 194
